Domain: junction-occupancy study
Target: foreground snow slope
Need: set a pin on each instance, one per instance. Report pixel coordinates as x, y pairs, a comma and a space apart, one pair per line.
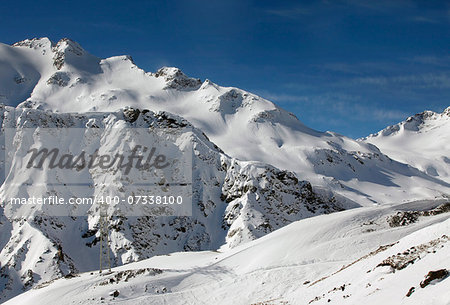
422, 141
64, 77
363, 256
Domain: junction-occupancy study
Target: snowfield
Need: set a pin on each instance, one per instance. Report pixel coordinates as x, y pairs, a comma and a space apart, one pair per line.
341, 257
281, 213
423, 140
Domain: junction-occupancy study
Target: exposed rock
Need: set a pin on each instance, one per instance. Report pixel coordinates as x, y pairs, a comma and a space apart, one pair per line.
402, 260
404, 218
410, 291
437, 275
176, 79
64, 46
114, 293
251, 198
59, 78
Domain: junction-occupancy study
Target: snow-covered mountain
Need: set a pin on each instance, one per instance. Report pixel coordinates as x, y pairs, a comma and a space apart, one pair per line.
422, 141
255, 169
63, 77
233, 202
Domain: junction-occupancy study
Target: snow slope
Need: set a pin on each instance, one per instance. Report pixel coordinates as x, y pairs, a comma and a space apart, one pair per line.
351, 257
65, 78
422, 141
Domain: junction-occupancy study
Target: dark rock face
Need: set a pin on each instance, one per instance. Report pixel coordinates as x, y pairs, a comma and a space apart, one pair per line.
410, 291
60, 79
402, 260
405, 218
64, 46
176, 79
434, 275
233, 202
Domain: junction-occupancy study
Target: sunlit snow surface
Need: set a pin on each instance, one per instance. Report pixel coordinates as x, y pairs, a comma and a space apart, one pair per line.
297, 264
65, 78
261, 182
422, 141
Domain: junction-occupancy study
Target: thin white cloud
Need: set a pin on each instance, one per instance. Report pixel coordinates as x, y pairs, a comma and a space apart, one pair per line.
282, 97
381, 5
438, 61
350, 106
343, 106
423, 19
360, 68
292, 12
418, 81
116, 27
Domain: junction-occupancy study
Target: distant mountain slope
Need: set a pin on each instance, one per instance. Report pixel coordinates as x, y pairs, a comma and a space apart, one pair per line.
64, 77
422, 140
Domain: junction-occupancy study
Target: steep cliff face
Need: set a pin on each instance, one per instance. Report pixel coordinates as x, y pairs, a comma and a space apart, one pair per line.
232, 201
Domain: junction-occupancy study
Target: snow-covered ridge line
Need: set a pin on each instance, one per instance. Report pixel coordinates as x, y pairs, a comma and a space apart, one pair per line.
413, 123
63, 77
270, 171
422, 140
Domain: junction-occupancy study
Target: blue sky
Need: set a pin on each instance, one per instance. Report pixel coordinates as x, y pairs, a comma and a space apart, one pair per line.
351, 66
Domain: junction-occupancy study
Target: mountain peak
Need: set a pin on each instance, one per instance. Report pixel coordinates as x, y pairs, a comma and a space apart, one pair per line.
427, 114
446, 111
35, 43
176, 79
420, 118
64, 47
68, 45
413, 123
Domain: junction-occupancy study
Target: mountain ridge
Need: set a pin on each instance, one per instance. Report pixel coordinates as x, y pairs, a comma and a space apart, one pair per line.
256, 167
421, 140
242, 124
233, 201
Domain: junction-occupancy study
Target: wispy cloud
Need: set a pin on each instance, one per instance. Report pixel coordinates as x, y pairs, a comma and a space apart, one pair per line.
339, 106
360, 68
418, 81
292, 12
438, 61
282, 97
341, 112
419, 72
423, 19
354, 107
381, 5
364, 113
116, 27
436, 16
405, 10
